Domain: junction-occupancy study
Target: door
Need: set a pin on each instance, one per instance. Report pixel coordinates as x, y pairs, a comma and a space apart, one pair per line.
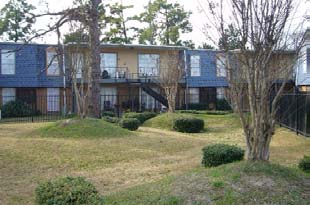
108, 98
108, 62
53, 99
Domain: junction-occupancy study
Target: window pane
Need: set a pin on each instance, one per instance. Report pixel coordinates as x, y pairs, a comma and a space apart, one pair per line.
194, 95
220, 93
7, 62
220, 66
108, 62
52, 62
148, 64
108, 97
8, 94
195, 65
53, 99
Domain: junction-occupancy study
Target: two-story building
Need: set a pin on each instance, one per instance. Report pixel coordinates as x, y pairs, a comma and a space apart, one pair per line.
303, 65
206, 77
129, 74
31, 73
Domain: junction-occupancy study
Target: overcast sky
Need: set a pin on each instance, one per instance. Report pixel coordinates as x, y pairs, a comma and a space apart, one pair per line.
197, 18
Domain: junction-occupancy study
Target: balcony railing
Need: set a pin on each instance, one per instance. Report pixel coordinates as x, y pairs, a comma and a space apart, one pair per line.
122, 73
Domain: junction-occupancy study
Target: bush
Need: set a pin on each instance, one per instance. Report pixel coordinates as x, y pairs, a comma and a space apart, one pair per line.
16, 109
304, 164
222, 104
67, 190
217, 154
189, 125
142, 117
108, 113
198, 106
111, 119
189, 111
217, 112
130, 123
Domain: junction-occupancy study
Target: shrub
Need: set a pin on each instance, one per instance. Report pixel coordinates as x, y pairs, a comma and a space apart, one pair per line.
142, 117
16, 109
108, 113
198, 106
189, 111
217, 154
130, 123
67, 190
222, 104
189, 125
217, 112
304, 164
111, 119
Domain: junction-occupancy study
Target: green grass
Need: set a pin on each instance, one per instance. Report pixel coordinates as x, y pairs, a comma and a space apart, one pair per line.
152, 165
236, 183
89, 128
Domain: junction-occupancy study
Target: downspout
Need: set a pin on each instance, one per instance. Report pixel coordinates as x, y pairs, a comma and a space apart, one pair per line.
64, 79
186, 79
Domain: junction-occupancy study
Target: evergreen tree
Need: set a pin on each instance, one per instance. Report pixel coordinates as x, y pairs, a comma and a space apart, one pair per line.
16, 20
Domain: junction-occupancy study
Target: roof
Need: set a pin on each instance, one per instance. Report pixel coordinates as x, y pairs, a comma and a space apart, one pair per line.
25, 43
132, 46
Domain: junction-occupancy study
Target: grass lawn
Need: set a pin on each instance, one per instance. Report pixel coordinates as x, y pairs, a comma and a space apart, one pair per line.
153, 165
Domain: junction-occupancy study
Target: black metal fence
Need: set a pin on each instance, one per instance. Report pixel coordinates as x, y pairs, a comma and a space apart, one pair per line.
33, 108
37, 108
293, 112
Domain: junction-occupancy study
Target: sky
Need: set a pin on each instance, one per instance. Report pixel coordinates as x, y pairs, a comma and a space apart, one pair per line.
198, 19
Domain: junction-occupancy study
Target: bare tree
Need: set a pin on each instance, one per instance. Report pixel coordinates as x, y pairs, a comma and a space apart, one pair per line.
260, 70
171, 72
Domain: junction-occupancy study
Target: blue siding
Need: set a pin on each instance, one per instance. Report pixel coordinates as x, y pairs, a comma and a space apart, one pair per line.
207, 76
30, 62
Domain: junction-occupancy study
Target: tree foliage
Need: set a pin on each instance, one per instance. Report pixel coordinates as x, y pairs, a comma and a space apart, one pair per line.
165, 22
118, 30
230, 38
16, 20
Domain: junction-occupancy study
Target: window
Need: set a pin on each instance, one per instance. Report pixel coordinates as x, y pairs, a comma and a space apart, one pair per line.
53, 99
220, 66
8, 94
52, 63
220, 93
77, 64
108, 62
148, 64
7, 62
194, 95
108, 97
195, 65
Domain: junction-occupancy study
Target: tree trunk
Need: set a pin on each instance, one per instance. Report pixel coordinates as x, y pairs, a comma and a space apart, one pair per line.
258, 143
94, 98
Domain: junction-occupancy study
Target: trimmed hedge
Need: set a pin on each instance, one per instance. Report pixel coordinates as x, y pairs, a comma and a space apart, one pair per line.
108, 113
17, 109
111, 119
217, 154
67, 190
304, 164
142, 117
198, 106
188, 125
130, 123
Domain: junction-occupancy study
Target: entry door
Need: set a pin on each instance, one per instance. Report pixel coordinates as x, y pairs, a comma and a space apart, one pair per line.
108, 97
108, 62
53, 99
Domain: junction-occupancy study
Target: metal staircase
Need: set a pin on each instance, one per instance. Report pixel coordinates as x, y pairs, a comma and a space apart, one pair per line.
154, 94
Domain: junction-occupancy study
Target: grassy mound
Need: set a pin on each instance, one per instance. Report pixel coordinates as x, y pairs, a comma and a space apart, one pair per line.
236, 183
164, 121
90, 128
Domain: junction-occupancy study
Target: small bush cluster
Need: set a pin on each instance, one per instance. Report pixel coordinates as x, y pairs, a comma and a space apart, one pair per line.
222, 104
16, 109
217, 154
142, 117
130, 123
189, 111
188, 125
304, 164
67, 190
111, 119
198, 106
217, 112
107, 114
